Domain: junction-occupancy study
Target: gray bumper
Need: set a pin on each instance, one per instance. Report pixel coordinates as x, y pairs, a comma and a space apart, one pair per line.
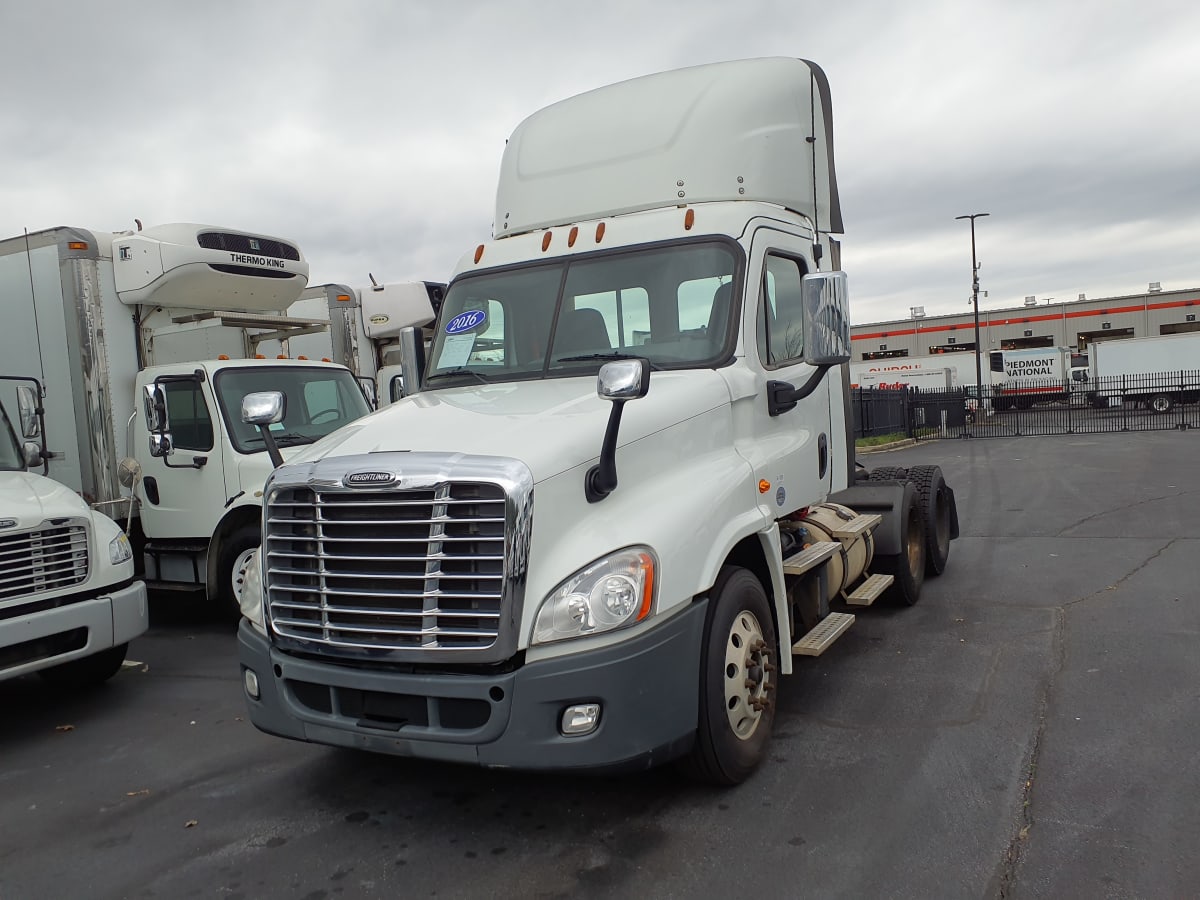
646, 686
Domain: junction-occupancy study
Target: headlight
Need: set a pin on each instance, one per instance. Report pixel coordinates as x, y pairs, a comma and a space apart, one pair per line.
613, 592
119, 550
250, 602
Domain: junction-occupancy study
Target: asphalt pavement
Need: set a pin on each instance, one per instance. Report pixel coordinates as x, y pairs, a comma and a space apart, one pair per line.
1029, 729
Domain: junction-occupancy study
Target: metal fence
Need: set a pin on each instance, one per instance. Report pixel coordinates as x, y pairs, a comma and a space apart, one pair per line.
1156, 402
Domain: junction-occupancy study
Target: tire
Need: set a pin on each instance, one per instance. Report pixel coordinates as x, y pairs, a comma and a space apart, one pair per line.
1002, 404
88, 671
1161, 403
889, 473
231, 559
934, 502
734, 724
908, 566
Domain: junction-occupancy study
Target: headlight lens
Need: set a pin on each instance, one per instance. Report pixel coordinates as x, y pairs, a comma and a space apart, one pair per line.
250, 602
613, 592
119, 550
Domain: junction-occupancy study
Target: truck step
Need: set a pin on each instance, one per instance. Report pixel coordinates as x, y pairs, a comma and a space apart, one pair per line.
868, 592
828, 630
177, 587
857, 526
810, 557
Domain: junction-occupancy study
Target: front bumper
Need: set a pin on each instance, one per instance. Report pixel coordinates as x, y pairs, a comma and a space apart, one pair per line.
75, 628
646, 687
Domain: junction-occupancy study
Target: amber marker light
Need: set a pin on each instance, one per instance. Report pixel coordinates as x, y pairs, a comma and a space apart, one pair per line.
281, 356
689, 219
223, 356
326, 359
599, 232
259, 356
301, 357
647, 568
479, 253
764, 486
546, 241
572, 235
343, 298
77, 245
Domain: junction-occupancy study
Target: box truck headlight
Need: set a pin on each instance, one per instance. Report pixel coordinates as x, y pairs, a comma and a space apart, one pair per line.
119, 550
250, 602
614, 591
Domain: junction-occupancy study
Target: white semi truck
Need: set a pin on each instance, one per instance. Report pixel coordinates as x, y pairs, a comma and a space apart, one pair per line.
1154, 372
622, 494
69, 602
364, 329
146, 342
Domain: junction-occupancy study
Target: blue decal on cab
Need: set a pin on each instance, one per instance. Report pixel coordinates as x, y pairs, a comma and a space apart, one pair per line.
466, 321
780, 496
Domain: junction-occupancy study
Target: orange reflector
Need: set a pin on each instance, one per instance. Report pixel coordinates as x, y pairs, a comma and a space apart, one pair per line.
479, 253
77, 245
281, 356
689, 219
223, 356
326, 359
648, 589
301, 357
574, 233
546, 241
764, 486
343, 298
259, 356
599, 232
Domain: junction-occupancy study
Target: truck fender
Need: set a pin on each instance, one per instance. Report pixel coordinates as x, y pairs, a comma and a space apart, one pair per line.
887, 499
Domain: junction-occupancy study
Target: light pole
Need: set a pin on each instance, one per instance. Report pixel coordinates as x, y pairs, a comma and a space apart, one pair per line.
975, 302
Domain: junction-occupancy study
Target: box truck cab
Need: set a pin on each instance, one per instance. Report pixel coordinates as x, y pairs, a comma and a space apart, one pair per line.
622, 493
69, 602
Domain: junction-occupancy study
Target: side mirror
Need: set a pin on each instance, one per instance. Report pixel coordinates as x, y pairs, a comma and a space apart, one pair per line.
412, 359
155, 402
27, 407
625, 379
396, 388
160, 444
618, 381
826, 312
32, 453
264, 408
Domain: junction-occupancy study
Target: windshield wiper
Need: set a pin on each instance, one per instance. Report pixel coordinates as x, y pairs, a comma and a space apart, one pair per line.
588, 357
462, 370
291, 438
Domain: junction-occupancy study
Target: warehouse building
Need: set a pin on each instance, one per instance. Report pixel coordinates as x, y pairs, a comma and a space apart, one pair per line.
1038, 323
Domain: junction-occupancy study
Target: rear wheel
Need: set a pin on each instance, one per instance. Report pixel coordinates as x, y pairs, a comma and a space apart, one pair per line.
908, 566
91, 670
737, 681
1161, 403
934, 503
889, 473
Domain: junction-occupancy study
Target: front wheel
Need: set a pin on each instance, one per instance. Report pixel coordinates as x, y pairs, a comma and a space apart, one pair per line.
738, 678
232, 559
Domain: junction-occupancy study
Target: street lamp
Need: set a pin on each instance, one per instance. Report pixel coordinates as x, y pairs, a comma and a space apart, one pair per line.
975, 301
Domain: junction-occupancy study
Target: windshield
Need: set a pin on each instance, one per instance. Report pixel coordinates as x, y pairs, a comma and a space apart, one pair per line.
11, 458
319, 401
671, 304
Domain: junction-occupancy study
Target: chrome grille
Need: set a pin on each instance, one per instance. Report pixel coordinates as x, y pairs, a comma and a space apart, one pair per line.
373, 572
47, 559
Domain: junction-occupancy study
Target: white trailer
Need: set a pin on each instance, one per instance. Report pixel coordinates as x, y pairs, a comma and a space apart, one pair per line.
1154, 372
961, 364
918, 379
69, 602
180, 314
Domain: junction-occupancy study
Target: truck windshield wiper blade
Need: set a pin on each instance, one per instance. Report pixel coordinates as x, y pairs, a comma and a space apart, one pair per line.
291, 437
462, 370
588, 357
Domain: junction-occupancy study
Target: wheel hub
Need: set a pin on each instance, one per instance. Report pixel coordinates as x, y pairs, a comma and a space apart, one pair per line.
748, 669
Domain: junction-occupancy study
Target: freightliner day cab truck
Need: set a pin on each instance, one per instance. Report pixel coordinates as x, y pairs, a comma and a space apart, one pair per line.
146, 342
623, 494
69, 603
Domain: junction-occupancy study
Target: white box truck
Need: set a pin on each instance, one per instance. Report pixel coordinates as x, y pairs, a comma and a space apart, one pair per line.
1028, 376
69, 602
1153, 372
364, 328
146, 342
622, 495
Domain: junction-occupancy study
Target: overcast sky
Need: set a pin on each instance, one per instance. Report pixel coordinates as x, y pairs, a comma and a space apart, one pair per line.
370, 133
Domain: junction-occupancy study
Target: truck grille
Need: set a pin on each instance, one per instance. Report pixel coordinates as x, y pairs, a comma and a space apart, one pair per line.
241, 243
48, 559
372, 572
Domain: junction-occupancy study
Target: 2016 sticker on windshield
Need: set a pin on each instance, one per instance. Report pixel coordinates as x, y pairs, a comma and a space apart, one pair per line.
466, 321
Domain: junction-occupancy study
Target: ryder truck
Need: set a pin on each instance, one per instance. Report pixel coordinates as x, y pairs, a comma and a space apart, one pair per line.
623, 493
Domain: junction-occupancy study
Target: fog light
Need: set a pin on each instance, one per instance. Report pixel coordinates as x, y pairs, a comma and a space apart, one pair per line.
251, 681
580, 719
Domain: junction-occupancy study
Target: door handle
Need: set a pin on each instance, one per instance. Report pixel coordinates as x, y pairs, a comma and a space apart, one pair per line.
822, 456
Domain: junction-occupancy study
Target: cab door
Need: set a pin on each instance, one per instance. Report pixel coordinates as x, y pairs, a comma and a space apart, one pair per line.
788, 445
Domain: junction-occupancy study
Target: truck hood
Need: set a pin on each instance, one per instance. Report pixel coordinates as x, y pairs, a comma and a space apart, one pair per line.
551, 425
32, 499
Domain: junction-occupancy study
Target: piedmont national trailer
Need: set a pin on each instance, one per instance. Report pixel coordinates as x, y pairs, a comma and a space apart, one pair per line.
624, 492
146, 342
69, 604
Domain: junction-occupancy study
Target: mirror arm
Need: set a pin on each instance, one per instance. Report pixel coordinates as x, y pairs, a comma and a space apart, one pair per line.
781, 396
272, 447
601, 479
